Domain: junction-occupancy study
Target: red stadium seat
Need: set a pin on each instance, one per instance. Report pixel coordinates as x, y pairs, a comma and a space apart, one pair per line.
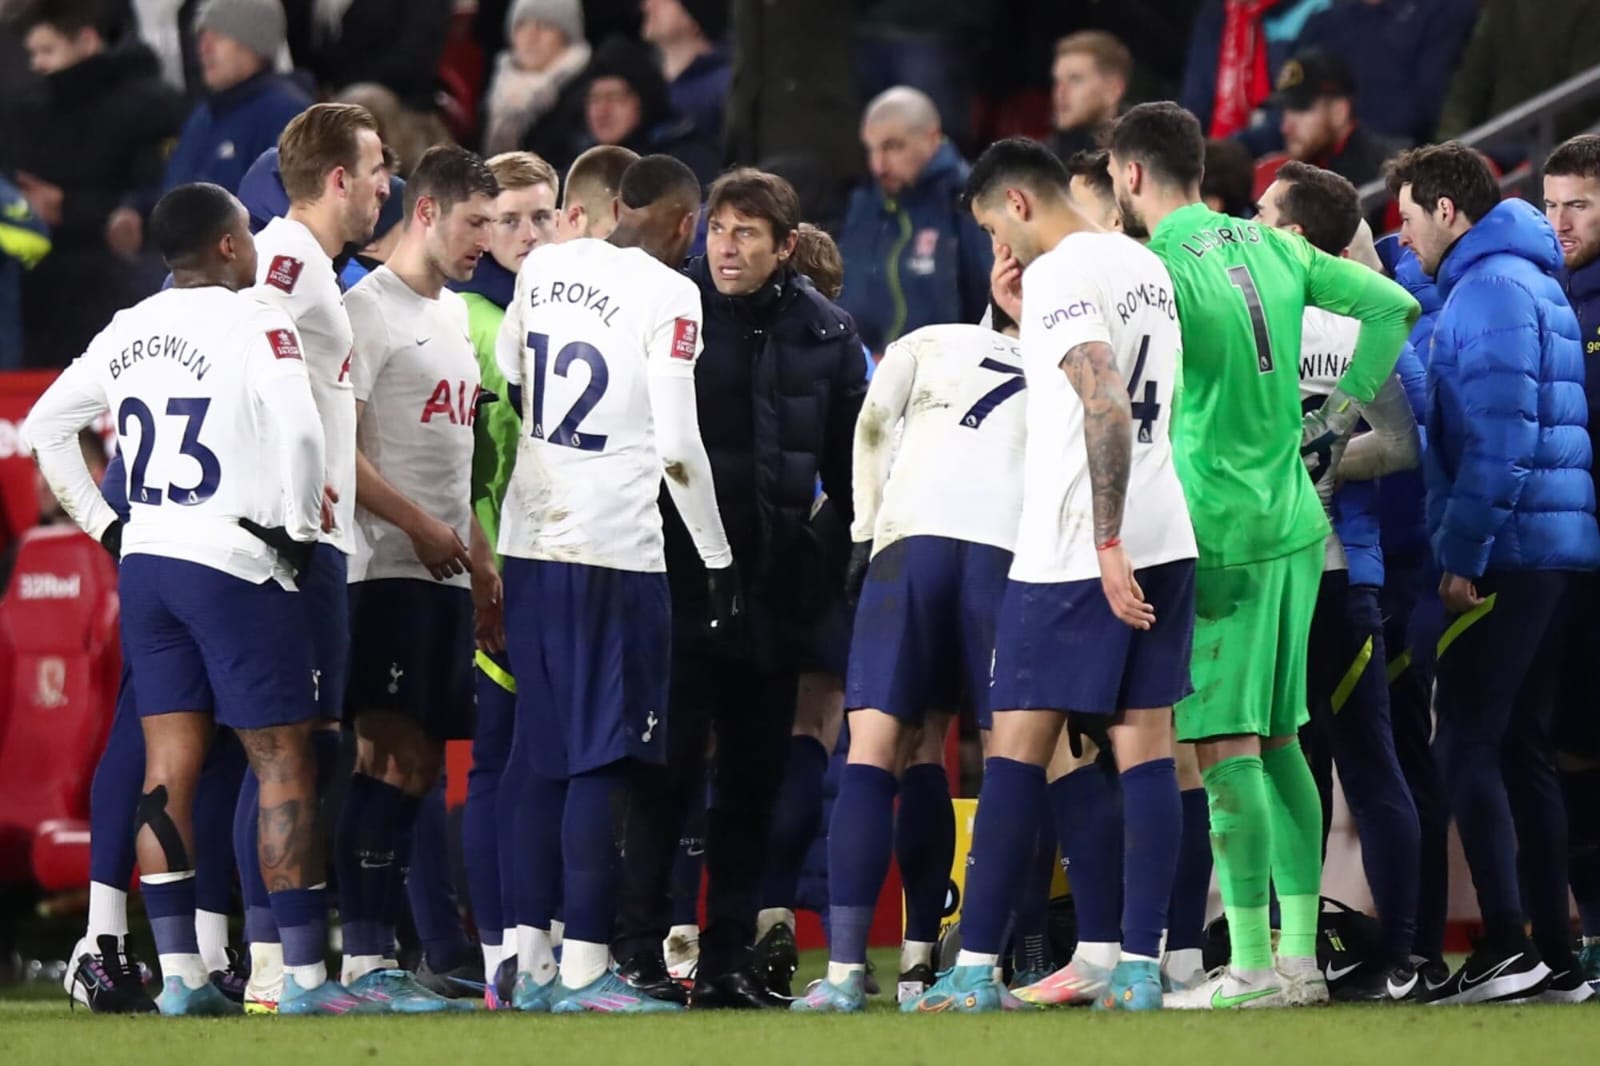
58, 627
61, 855
1267, 168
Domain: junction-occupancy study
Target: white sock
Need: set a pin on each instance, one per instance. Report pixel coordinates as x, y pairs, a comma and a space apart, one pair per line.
190, 969
687, 933
558, 932
1128, 956
358, 966
508, 942
108, 913
491, 960
535, 954
1588, 941
266, 964
768, 917
583, 963
914, 953
211, 929
1183, 963
973, 958
839, 972
309, 977
1096, 953
1298, 964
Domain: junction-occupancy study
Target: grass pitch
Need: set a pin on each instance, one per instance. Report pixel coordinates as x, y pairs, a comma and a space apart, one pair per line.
36, 1030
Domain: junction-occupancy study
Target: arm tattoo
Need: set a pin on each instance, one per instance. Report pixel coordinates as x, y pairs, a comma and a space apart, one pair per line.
1107, 431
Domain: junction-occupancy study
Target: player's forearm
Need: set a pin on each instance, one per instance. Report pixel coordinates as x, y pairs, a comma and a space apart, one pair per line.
1387, 313
1107, 432
479, 548
51, 433
870, 459
302, 454
1393, 444
375, 495
688, 468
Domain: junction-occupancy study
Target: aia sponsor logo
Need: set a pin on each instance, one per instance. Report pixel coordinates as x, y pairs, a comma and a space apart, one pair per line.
458, 403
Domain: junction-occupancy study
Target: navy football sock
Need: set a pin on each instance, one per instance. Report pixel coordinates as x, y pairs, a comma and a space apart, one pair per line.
795, 821
1088, 814
1004, 833
1152, 839
925, 847
214, 802
860, 840
114, 796
1030, 924
688, 867
589, 854
430, 890
371, 887
535, 865
1191, 885
259, 925
480, 820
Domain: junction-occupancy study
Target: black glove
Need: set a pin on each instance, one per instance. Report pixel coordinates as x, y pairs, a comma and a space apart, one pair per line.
727, 599
297, 553
855, 573
111, 539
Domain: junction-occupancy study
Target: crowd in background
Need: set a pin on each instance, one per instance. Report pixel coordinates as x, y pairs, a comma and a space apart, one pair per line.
106, 103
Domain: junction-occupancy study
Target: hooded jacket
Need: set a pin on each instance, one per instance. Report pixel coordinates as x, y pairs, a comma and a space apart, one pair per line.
228, 130
916, 259
1507, 462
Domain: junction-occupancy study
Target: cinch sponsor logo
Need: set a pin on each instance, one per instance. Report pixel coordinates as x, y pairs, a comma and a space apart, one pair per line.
1062, 314
50, 586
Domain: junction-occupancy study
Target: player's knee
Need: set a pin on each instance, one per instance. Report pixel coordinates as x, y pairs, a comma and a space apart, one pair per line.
155, 813
281, 754
928, 746
875, 739
1025, 736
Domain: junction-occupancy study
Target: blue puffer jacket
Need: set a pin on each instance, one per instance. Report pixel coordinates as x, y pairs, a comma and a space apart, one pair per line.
1400, 496
915, 260
228, 130
1507, 464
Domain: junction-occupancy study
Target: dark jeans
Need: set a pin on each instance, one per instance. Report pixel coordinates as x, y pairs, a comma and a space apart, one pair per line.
1498, 677
751, 711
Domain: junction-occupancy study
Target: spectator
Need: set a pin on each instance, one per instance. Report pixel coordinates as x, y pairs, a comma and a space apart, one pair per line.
94, 136
817, 257
24, 241
689, 34
545, 52
1510, 516
1090, 78
408, 133
261, 191
794, 92
622, 100
914, 255
1228, 184
1317, 95
396, 43
1517, 51
1233, 49
779, 384
931, 45
248, 104
1401, 53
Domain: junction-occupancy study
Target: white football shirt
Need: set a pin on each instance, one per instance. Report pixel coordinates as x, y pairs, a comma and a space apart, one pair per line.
1108, 288
207, 388
417, 373
957, 472
296, 274
603, 341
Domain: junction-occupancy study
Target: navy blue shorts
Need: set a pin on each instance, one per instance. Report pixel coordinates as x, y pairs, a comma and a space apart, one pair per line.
925, 629
497, 711
591, 650
325, 596
1059, 648
198, 639
411, 651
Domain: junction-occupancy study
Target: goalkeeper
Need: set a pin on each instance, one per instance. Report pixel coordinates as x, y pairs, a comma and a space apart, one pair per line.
1238, 440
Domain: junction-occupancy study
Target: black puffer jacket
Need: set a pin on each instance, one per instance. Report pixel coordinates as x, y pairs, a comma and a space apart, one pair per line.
779, 387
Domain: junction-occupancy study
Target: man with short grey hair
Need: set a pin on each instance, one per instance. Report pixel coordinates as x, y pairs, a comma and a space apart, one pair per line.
915, 257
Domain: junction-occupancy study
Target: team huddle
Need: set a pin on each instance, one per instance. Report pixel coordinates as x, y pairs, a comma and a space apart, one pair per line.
1098, 522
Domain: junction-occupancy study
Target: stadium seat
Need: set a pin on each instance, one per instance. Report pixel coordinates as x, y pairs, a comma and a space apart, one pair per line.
1267, 168
58, 629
